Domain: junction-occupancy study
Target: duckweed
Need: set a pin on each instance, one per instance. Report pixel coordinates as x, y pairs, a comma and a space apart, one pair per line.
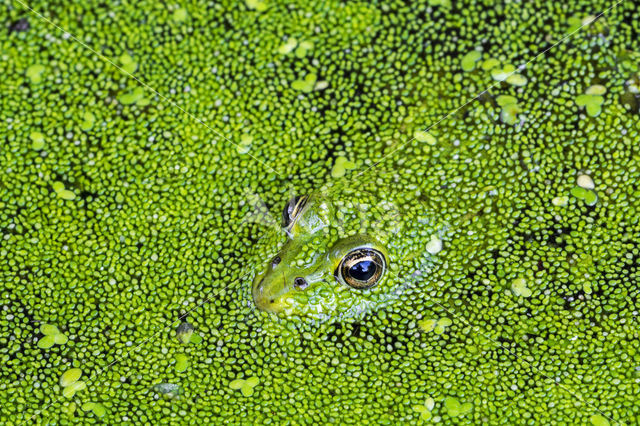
46, 342
70, 376
426, 137
156, 228
591, 101
519, 288
34, 73
127, 63
70, 390
510, 109
37, 141
88, 120
184, 332
598, 420
98, 409
455, 408
180, 14
341, 166
468, 61
585, 181
306, 84
182, 363
434, 246
49, 329
169, 390
245, 386
289, 46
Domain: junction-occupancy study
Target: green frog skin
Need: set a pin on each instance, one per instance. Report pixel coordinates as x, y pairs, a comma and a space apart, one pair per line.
394, 212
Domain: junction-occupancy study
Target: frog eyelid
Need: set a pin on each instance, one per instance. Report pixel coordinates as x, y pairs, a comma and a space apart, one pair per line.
296, 212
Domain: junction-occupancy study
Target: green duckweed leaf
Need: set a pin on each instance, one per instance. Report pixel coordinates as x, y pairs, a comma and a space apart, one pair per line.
46, 342
34, 73
519, 288
342, 164
574, 24
303, 49
70, 376
288, 46
560, 201
88, 119
579, 192
257, 5
509, 114
425, 137
501, 74
452, 406
99, 410
66, 194
583, 100
70, 391
302, 85
516, 80
591, 198
246, 390
419, 408
427, 325
504, 100
60, 339
136, 96
599, 420
48, 329
429, 403
252, 381
236, 384
593, 110
445, 322
37, 141
127, 63
468, 62
434, 246
490, 64
87, 406
57, 186
180, 15
182, 363
596, 89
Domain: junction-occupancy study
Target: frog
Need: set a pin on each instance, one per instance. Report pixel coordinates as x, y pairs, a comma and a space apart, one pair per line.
355, 245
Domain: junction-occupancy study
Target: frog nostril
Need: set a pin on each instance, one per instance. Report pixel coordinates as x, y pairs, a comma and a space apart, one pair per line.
300, 283
275, 261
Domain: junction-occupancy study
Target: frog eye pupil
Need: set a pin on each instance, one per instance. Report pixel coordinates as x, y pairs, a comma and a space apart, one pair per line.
363, 271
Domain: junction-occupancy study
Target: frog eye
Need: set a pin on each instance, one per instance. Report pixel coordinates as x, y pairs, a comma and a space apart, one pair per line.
293, 209
361, 268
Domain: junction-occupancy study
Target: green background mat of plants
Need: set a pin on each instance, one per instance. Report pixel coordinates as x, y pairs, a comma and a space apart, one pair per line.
119, 214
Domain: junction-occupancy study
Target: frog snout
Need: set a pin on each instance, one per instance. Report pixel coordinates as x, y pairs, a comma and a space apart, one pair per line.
272, 289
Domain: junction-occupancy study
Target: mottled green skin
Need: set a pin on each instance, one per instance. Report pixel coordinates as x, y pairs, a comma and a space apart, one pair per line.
163, 221
395, 210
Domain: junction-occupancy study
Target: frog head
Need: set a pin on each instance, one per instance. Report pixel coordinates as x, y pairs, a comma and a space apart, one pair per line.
345, 253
